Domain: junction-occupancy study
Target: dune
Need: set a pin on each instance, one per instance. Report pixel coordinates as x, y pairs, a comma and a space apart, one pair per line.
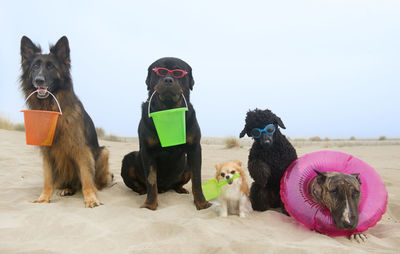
120, 226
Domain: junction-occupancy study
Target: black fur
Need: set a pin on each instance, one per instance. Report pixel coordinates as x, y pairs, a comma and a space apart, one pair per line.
174, 166
268, 159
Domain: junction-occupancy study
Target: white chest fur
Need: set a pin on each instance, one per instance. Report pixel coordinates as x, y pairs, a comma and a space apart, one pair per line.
233, 200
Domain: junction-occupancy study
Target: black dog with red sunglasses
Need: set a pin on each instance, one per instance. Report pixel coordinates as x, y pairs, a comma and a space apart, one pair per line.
155, 169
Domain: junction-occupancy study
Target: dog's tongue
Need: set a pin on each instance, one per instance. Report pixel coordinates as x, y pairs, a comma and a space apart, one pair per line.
231, 181
42, 90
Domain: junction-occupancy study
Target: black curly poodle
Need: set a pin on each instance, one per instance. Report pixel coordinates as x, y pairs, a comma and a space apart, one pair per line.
270, 155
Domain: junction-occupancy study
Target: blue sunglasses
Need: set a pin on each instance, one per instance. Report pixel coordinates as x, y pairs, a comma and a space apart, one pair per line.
269, 129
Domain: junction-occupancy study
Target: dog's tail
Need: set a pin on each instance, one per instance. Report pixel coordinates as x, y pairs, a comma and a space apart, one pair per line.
103, 177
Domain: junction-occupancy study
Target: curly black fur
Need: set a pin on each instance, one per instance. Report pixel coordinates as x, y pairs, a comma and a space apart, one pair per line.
269, 157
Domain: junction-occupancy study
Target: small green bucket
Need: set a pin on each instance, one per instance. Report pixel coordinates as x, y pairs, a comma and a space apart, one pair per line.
212, 188
170, 125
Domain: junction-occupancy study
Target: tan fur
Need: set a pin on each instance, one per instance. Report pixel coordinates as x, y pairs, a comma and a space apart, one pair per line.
152, 141
48, 185
152, 197
74, 160
189, 139
228, 167
102, 175
71, 152
152, 178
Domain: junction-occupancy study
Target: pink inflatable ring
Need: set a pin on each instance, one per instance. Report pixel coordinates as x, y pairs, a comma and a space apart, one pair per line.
298, 203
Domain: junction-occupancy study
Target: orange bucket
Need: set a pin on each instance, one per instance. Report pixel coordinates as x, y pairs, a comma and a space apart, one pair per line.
40, 125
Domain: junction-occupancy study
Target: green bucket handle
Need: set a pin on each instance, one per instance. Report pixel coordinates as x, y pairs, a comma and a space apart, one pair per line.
36, 91
151, 97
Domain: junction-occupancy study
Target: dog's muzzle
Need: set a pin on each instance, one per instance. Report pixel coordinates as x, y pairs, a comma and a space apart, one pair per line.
40, 85
229, 177
266, 139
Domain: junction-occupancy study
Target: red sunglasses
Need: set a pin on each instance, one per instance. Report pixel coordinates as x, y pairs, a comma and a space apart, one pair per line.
174, 73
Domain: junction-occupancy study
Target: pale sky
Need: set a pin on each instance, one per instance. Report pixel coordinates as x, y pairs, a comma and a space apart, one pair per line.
328, 68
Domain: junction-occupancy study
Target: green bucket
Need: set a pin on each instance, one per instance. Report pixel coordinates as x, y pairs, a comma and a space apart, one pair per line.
170, 125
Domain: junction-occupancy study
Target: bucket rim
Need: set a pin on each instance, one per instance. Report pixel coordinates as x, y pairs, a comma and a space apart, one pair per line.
149, 104
168, 111
41, 111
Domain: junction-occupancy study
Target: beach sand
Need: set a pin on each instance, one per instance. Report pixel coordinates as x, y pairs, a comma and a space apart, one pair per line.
120, 226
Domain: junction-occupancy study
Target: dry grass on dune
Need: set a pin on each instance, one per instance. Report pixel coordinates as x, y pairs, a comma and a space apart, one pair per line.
7, 124
316, 138
231, 142
101, 133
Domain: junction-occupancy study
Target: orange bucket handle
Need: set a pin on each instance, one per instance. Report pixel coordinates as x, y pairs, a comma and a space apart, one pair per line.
151, 97
50, 94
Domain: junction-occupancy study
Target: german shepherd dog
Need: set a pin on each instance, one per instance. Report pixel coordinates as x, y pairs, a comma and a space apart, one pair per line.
155, 169
75, 160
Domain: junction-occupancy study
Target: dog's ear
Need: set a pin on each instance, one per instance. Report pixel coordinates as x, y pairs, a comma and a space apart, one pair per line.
356, 175
191, 80
279, 122
188, 68
148, 79
244, 132
218, 168
61, 50
239, 163
321, 176
28, 49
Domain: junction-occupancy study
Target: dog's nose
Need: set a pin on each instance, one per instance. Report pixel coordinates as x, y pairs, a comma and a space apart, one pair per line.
39, 80
168, 81
266, 139
228, 177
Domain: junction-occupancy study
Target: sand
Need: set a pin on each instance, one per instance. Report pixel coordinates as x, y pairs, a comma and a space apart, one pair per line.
120, 226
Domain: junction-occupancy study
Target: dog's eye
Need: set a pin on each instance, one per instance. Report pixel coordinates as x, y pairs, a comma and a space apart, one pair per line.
255, 132
163, 72
223, 174
36, 65
49, 65
333, 192
356, 194
233, 172
271, 129
177, 73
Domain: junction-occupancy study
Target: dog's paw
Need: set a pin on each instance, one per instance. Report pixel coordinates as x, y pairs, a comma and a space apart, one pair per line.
92, 202
42, 200
242, 215
150, 206
67, 192
358, 237
202, 205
